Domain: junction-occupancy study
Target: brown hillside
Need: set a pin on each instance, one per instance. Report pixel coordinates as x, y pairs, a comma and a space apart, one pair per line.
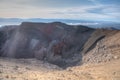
107, 48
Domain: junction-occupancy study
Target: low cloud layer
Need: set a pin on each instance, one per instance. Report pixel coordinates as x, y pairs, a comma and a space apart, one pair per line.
68, 9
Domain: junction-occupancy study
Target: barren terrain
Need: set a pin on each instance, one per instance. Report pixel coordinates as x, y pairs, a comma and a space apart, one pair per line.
57, 51
32, 69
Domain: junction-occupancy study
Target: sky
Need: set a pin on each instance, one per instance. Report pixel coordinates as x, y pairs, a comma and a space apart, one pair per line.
108, 10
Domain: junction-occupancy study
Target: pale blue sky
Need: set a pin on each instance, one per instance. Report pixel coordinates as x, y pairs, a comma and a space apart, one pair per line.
63, 9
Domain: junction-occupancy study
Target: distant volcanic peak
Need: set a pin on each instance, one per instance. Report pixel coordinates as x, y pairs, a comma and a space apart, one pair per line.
38, 23
59, 23
32, 23
53, 24
42, 25
44, 28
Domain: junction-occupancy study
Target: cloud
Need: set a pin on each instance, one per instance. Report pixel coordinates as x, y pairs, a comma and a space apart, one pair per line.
106, 2
89, 12
110, 2
47, 3
110, 10
69, 9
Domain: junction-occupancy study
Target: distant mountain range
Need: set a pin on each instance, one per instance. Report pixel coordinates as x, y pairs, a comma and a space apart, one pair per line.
19, 20
90, 23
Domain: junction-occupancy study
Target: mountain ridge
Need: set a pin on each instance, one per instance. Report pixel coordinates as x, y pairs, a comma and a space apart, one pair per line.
56, 42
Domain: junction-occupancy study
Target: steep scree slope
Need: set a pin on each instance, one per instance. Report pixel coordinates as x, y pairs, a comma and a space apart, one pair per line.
106, 49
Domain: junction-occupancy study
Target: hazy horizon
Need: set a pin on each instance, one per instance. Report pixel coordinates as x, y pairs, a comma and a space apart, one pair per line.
102, 10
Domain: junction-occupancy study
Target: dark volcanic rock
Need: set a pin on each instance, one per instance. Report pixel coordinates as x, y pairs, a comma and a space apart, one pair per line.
59, 43
55, 42
5, 34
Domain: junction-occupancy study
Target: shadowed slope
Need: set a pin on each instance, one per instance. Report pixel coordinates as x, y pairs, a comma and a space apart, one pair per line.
55, 42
